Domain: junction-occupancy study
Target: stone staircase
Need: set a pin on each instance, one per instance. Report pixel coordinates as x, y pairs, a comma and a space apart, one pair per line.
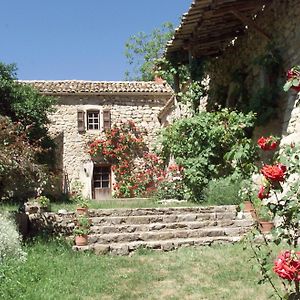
122, 231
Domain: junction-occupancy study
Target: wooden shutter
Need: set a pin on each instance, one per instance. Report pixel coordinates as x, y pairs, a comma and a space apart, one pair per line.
106, 119
80, 120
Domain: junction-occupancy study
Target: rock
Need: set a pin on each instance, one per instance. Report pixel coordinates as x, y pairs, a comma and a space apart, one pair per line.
101, 249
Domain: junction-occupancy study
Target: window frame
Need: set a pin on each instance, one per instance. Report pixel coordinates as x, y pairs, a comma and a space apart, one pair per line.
92, 119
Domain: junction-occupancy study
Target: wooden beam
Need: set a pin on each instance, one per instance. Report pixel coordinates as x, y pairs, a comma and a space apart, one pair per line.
250, 23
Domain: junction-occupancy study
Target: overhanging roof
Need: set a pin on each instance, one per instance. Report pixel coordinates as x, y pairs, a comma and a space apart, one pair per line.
210, 25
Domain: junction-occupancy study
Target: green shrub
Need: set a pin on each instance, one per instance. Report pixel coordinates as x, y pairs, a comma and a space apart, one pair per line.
222, 191
210, 145
10, 242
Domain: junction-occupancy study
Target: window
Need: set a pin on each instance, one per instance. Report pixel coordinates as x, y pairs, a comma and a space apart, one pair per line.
93, 120
101, 177
106, 120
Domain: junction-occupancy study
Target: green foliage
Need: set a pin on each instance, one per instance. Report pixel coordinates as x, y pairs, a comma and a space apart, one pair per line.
281, 203
263, 102
24, 143
54, 271
193, 94
241, 157
24, 104
142, 49
43, 201
10, 241
222, 191
76, 195
18, 161
82, 225
172, 185
200, 145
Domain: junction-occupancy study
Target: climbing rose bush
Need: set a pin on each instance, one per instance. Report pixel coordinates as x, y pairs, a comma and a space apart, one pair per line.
137, 171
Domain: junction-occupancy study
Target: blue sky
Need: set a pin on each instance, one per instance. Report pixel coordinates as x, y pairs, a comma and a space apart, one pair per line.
77, 39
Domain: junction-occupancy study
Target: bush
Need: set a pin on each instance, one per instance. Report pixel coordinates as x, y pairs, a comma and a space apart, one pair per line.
210, 145
18, 160
10, 241
222, 191
171, 186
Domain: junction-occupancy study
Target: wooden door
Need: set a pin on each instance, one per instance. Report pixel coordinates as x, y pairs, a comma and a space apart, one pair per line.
102, 182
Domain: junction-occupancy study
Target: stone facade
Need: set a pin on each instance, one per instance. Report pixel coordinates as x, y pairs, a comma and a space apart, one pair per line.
280, 21
141, 104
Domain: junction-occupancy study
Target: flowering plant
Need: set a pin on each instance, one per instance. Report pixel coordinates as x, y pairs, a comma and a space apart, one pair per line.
280, 195
172, 185
287, 265
268, 143
137, 171
293, 79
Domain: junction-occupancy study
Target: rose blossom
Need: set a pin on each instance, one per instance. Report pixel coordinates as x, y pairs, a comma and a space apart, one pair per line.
264, 192
287, 265
268, 143
274, 173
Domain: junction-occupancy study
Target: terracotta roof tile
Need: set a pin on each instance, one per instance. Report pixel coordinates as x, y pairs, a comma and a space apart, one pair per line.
98, 87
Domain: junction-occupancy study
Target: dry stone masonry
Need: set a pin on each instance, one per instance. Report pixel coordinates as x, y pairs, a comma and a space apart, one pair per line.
123, 231
137, 101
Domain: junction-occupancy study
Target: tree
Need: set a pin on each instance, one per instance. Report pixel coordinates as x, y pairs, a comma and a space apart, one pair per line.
142, 50
23, 104
25, 145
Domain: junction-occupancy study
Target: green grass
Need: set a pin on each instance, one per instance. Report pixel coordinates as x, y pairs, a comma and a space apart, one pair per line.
121, 203
114, 203
54, 271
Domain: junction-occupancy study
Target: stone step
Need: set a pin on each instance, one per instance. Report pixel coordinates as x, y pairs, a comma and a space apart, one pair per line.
166, 234
160, 211
127, 228
172, 218
160, 245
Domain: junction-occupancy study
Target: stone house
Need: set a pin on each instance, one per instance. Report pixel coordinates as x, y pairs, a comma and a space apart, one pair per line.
84, 110
242, 41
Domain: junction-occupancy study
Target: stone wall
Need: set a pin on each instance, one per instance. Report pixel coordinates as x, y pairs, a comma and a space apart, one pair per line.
52, 223
280, 20
72, 155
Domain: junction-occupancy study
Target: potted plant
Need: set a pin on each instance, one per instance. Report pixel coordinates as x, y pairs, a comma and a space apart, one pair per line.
77, 197
264, 218
293, 79
81, 230
82, 206
44, 203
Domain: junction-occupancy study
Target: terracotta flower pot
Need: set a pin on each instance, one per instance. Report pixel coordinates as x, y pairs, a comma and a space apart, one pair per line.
248, 206
81, 240
82, 210
265, 226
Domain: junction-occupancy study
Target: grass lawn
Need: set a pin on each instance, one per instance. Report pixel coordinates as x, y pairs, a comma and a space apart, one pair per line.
114, 203
53, 271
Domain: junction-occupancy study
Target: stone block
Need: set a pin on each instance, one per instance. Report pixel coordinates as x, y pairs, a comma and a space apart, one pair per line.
101, 249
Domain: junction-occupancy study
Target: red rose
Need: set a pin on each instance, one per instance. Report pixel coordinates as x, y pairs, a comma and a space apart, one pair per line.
268, 143
263, 193
274, 173
287, 266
